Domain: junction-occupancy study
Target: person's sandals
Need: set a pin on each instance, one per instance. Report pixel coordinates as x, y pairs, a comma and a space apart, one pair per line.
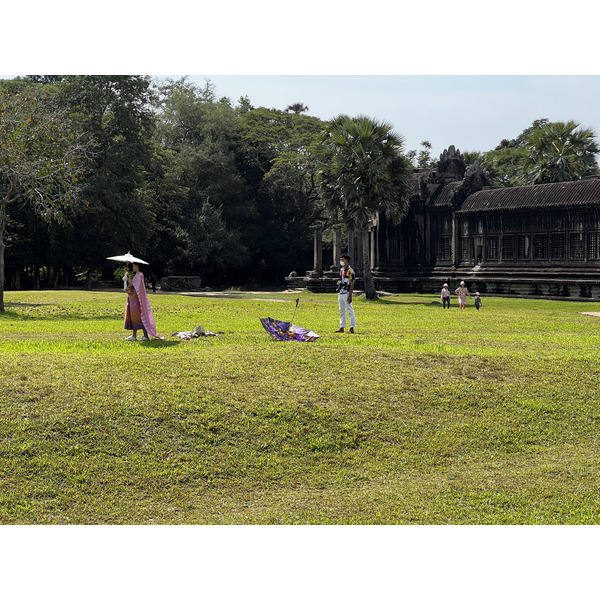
351, 330
144, 339
341, 330
131, 339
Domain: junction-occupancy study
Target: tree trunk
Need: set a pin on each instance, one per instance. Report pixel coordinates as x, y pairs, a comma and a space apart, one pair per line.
370, 292
90, 277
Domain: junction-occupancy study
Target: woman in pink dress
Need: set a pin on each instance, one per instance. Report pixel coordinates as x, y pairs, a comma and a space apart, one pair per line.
462, 292
138, 314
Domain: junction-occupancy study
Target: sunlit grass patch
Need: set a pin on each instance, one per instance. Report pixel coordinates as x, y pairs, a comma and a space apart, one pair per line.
424, 415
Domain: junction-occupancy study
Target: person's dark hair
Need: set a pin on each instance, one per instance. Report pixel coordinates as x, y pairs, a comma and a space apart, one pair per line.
346, 256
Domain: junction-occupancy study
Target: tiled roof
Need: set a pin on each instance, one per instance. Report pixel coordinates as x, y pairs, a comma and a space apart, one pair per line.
445, 196
585, 192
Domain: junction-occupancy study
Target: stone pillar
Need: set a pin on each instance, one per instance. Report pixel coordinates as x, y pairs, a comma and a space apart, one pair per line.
454, 240
318, 251
352, 249
375, 250
337, 246
373, 246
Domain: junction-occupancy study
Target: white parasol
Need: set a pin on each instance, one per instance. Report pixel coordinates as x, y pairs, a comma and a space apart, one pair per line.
127, 258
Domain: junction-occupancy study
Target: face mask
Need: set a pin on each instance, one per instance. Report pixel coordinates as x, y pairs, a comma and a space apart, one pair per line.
342, 263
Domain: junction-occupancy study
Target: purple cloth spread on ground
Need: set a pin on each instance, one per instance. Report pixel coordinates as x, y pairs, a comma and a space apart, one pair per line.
283, 331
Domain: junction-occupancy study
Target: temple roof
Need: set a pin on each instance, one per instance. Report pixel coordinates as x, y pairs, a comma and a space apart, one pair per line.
444, 198
585, 192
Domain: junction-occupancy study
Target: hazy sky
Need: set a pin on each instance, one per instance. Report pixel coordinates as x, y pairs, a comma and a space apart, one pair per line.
470, 112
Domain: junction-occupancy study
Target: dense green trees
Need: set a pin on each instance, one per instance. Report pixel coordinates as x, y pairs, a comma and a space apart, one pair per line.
363, 171
115, 216
193, 182
544, 152
278, 154
207, 204
43, 154
97, 165
560, 152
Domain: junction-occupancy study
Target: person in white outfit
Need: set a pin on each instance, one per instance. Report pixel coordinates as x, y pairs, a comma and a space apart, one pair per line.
345, 289
462, 292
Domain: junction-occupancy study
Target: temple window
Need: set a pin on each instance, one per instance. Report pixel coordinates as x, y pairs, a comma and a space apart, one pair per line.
465, 254
508, 247
594, 245
491, 248
523, 249
446, 225
576, 246
558, 246
540, 247
445, 249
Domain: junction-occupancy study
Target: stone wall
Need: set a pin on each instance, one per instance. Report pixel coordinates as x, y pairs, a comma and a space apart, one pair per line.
173, 283
566, 289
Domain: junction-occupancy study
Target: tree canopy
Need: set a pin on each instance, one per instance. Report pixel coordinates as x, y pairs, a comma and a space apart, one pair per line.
200, 185
363, 171
43, 155
544, 152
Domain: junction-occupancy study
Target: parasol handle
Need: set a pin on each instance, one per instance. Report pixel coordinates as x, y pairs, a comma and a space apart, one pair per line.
297, 300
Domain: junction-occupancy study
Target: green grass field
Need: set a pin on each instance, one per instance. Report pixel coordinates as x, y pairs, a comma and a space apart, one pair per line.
425, 416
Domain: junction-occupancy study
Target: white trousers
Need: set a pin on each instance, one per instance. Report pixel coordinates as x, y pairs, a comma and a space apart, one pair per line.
346, 306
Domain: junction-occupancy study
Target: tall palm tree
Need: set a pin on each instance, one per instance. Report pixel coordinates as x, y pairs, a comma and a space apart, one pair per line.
560, 152
363, 171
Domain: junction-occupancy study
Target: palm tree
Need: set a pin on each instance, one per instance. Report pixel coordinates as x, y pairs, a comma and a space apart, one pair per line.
560, 152
363, 171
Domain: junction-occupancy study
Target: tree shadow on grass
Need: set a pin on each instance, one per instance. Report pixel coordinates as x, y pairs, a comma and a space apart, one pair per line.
404, 303
11, 315
28, 304
158, 344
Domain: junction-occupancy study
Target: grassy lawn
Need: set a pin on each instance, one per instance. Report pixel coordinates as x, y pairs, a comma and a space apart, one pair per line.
425, 416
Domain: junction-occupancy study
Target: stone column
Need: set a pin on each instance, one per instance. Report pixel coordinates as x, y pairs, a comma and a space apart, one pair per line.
454, 240
373, 246
352, 249
318, 251
337, 246
427, 236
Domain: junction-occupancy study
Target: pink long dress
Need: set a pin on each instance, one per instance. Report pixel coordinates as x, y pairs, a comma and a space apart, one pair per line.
138, 313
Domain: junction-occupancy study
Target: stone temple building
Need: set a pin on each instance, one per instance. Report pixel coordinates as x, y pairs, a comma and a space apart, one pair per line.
538, 240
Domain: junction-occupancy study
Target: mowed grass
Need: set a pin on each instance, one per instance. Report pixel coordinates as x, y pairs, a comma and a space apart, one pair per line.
425, 416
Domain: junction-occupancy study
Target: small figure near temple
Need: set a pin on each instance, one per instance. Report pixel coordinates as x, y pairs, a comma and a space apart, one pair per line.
345, 288
462, 292
445, 296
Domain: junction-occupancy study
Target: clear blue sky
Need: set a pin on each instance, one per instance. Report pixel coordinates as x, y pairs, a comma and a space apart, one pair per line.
464, 72
470, 112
